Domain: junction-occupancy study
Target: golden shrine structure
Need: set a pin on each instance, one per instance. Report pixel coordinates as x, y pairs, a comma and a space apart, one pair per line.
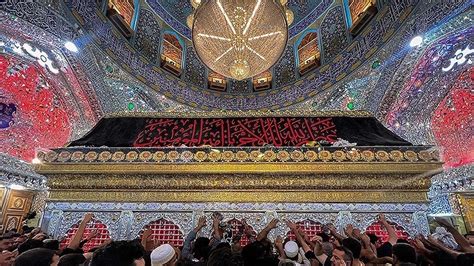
338, 167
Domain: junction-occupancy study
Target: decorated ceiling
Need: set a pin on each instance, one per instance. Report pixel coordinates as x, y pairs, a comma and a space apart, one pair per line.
175, 13
50, 95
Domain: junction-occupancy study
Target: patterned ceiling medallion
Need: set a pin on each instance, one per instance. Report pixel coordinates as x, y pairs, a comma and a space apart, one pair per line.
232, 37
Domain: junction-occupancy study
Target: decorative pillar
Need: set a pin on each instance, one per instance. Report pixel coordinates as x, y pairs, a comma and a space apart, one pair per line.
124, 226
54, 222
343, 219
420, 222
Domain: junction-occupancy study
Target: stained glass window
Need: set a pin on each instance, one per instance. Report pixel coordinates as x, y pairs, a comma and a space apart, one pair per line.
125, 8
172, 51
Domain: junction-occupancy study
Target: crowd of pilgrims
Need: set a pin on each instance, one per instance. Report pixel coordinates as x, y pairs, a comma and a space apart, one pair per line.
351, 246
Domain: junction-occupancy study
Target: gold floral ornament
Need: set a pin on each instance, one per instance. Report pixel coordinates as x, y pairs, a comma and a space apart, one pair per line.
91, 156
425, 155
296, 156
227, 156
200, 156
132, 156
186, 156
214, 155
145, 156
311, 156
397, 156
269, 156
283, 156
353, 155
241, 156
118, 156
77, 156
382, 156
159, 156
368, 156
105, 156
339, 155
411, 156
172, 156
325, 155
51, 156
64, 156
255, 156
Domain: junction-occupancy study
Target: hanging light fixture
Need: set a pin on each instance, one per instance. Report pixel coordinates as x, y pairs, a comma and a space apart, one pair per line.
240, 38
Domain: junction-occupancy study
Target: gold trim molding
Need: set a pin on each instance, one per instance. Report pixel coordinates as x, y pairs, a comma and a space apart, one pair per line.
229, 168
239, 181
326, 196
250, 113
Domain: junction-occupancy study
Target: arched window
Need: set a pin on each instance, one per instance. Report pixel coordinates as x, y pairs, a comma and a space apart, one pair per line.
166, 232
310, 227
378, 229
361, 12
93, 227
122, 14
217, 82
262, 81
308, 53
172, 54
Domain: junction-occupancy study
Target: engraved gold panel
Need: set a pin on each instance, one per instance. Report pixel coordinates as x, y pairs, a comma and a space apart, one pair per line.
222, 168
239, 181
238, 196
250, 113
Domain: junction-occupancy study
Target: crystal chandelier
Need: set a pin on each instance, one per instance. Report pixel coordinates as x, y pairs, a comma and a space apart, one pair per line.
240, 38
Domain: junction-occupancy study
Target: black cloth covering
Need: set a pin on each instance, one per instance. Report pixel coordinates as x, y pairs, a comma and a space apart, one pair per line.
237, 131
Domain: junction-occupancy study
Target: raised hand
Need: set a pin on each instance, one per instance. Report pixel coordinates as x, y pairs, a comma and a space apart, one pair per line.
273, 223
291, 225
381, 218
93, 234
418, 244
349, 230
40, 236
201, 222
331, 228
88, 217
443, 222
147, 233
317, 239
279, 241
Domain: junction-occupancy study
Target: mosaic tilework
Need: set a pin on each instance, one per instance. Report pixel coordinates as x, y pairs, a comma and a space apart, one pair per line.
424, 89
175, 12
239, 86
333, 33
17, 172
195, 70
41, 16
177, 8
36, 116
285, 69
299, 26
177, 25
255, 214
264, 99
147, 36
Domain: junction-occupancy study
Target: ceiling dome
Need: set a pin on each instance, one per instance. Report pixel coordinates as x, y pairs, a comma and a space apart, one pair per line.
232, 37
